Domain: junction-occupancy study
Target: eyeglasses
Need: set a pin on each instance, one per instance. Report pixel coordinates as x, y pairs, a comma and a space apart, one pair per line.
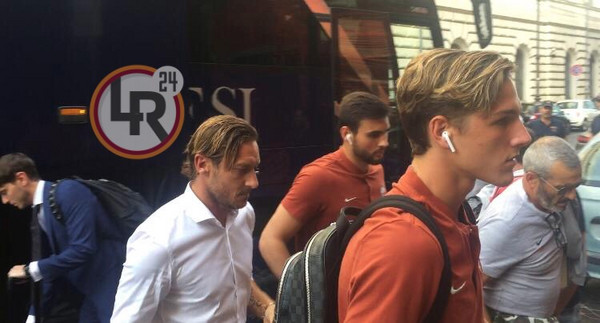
563, 190
554, 220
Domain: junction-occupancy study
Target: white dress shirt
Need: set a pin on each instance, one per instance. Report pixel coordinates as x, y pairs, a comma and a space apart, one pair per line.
183, 266
34, 269
38, 199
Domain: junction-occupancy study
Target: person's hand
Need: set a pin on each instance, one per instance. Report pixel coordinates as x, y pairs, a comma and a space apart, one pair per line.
269, 313
17, 271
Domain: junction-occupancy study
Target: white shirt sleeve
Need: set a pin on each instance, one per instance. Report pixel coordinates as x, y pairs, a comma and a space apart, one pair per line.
30, 319
145, 280
34, 271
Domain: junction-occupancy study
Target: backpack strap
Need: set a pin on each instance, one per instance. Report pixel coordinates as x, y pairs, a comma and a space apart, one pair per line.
418, 210
54, 207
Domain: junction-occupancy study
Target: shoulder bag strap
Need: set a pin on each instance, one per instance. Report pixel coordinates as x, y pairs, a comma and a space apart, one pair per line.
418, 210
54, 207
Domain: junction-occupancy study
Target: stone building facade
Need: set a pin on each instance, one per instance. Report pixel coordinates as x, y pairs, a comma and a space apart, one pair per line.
555, 44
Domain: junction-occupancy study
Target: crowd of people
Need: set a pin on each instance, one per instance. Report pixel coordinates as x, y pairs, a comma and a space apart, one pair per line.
191, 260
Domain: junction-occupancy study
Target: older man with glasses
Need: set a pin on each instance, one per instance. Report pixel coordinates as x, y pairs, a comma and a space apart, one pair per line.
524, 248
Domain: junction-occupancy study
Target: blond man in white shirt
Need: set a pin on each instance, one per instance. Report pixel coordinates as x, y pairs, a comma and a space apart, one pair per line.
191, 261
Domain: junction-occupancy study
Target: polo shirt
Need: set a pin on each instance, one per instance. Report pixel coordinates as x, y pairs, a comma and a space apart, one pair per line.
392, 267
324, 186
540, 129
520, 253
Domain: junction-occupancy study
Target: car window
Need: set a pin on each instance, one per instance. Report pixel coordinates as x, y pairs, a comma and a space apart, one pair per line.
556, 109
567, 105
587, 104
591, 166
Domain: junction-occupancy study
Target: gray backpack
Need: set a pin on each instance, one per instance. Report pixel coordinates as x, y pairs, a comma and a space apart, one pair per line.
307, 291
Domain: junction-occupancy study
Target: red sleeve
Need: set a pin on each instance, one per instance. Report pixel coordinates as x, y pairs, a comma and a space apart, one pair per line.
303, 200
395, 273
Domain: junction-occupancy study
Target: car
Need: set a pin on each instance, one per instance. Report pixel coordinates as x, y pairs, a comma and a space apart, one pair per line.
579, 112
534, 113
582, 140
589, 195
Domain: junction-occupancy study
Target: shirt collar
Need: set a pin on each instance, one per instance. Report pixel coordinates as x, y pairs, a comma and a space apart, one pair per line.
38, 196
519, 172
197, 210
410, 184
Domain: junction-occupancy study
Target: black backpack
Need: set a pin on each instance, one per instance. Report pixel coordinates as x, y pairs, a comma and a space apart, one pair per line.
308, 287
127, 207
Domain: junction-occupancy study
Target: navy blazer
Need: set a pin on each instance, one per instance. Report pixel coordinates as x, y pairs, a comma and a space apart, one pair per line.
85, 248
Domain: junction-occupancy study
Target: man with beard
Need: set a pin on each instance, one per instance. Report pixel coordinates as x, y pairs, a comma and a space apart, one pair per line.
191, 260
460, 112
350, 176
523, 243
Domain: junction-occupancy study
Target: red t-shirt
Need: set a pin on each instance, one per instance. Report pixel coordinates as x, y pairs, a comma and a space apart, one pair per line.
324, 186
393, 265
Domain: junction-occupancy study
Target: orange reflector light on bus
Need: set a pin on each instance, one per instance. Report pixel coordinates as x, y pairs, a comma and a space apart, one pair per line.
72, 111
72, 114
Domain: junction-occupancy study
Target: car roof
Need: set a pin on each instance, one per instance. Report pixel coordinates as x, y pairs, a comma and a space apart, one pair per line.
574, 100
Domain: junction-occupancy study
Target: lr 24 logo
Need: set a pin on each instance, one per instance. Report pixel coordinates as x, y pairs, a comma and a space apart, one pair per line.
137, 111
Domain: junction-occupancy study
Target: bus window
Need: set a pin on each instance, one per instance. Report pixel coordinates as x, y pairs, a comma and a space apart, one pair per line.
365, 54
275, 51
281, 33
374, 47
409, 41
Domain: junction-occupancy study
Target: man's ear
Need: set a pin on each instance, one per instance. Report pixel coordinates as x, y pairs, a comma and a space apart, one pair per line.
202, 164
344, 132
21, 179
530, 177
437, 126
531, 180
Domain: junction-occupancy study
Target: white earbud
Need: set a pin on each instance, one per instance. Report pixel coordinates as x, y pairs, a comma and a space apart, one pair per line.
349, 138
446, 137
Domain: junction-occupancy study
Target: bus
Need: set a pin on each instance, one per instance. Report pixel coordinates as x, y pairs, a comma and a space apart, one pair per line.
283, 65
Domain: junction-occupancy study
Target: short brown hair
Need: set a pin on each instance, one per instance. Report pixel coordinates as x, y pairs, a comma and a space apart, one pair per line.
10, 164
219, 139
448, 82
358, 106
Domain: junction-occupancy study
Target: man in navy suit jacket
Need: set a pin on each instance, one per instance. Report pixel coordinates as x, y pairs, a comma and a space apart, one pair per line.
81, 255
